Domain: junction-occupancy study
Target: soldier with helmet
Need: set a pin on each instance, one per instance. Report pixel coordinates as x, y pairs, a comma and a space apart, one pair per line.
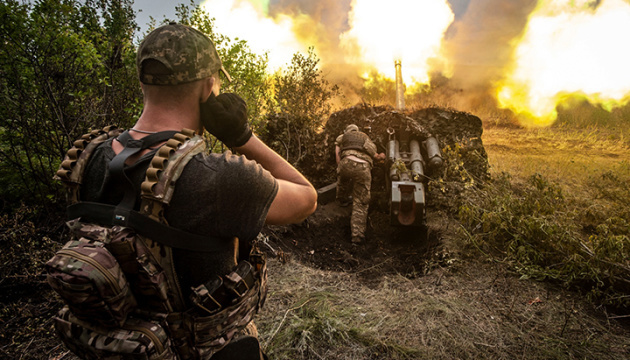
355, 154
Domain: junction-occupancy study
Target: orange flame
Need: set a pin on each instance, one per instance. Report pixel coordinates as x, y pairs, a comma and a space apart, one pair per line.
509, 54
569, 50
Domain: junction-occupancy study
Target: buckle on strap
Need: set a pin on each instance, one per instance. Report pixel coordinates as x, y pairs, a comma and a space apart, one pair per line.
238, 286
241, 279
221, 292
202, 295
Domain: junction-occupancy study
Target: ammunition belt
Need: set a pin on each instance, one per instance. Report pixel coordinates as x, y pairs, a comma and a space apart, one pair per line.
159, 185
86, 143
71, 170
160, 161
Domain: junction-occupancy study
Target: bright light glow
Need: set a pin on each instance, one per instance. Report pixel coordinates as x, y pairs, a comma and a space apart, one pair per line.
570, 49
409, 30
248, 21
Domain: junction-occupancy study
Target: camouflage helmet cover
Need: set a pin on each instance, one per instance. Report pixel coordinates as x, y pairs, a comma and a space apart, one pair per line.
185, 53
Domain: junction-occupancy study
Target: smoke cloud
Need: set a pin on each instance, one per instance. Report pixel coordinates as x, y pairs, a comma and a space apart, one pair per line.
475, 53
477, 47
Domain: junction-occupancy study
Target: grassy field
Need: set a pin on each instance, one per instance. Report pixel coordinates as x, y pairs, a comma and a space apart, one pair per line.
477, 304
569, 157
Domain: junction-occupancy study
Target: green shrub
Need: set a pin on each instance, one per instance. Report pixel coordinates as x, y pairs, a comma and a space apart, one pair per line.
65, 67
544, 235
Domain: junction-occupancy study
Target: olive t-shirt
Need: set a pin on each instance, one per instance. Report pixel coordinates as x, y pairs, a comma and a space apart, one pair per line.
219, 195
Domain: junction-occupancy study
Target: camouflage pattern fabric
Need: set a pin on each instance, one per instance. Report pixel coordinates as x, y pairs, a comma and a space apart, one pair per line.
146, 277
367, 153
136, 339
185, 53
71, 170
89, 279
355, 178
197, 335
117, 285
214, 332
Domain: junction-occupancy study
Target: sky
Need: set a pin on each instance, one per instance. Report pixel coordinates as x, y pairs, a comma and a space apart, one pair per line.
156, 8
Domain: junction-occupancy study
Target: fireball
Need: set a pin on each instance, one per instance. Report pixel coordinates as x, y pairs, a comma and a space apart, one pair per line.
570, 49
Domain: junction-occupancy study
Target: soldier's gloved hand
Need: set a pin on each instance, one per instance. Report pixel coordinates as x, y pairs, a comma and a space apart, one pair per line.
225, 116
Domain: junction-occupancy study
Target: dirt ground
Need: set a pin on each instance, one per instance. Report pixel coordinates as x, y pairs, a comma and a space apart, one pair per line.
448, 304
323, 241
492, 313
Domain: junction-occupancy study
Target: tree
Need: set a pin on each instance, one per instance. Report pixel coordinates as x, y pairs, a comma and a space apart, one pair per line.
299, 106
378, 89
68, 67
247, 69
65, 67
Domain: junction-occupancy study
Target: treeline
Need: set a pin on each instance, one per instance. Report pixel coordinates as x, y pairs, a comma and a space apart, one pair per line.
67, 67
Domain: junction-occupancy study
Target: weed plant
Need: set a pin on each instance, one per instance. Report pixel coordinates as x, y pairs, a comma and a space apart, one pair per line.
546, 233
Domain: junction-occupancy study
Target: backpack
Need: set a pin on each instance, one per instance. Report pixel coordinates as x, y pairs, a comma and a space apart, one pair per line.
116, 275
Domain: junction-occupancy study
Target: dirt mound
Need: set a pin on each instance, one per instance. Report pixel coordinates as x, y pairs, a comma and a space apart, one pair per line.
458, 134
323, 242
448, 125
324, 239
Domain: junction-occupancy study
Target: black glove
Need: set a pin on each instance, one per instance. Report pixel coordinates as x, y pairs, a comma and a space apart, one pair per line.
225, 116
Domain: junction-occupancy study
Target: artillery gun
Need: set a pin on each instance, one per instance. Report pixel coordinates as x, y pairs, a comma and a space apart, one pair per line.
406, 176
414, 143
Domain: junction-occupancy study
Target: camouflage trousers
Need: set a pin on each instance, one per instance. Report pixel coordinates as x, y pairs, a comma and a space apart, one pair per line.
355, 178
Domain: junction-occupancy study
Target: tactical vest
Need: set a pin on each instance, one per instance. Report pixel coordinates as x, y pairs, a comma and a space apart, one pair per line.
353, 143
353, 140
116, 275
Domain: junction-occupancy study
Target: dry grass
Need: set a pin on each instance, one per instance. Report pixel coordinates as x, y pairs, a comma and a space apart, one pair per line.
463, 308
460, 312
467, 309
565, 156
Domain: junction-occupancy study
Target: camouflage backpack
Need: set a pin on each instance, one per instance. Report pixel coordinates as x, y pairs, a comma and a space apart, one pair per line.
116, 275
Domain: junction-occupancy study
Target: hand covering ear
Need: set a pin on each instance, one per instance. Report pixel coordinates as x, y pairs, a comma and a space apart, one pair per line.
225, 116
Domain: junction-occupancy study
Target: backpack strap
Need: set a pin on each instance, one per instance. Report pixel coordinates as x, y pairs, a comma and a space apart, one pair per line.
166, 167
157, 189
71, 170
132, 147
111, 215
175, 153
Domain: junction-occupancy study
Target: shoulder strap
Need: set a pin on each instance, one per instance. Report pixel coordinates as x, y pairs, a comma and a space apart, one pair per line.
71, 170
157, 190
166, 166
132, 147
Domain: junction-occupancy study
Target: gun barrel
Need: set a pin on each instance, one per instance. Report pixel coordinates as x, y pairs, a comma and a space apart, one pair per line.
434, 155
400, 87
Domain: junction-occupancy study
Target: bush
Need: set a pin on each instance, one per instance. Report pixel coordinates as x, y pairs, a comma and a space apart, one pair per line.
298, 109
65, 67
545, 235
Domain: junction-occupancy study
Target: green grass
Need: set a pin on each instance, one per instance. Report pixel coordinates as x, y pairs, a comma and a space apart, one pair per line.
556, 208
